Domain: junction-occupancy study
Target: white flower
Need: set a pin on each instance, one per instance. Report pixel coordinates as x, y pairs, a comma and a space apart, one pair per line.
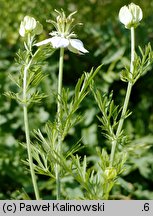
63, 37
130, 15
74, 45
30, 25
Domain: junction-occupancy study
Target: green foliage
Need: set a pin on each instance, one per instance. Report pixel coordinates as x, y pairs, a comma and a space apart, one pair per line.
110, 114
46, 149
96, 181
81, 90
34, 76
141, 65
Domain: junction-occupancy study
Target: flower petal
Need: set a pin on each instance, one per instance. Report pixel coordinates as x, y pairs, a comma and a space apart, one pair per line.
77, 45
58, 42
22, 29
125, 16
30, 23
43, 42
72, 49
136, 12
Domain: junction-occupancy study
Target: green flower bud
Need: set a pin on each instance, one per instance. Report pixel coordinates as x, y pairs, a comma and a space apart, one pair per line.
110, 173
130, 15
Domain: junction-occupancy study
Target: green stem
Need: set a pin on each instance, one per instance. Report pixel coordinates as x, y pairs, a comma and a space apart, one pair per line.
60, 78
126, 101
26, 123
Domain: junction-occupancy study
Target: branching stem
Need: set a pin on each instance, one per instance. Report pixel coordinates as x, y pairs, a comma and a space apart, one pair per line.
126, 101
26, 124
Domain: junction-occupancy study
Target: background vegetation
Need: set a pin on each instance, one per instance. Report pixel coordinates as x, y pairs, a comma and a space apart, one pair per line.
109, 43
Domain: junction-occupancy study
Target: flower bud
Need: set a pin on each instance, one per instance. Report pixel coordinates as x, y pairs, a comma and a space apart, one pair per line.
30, 25
110, 173
130, 15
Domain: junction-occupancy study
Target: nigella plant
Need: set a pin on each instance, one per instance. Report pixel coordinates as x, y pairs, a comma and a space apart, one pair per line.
113, 116
130, 16
46, 154
52, 152
61, 38
28, 79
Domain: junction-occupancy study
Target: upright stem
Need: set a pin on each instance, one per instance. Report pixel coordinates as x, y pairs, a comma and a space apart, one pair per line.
60, 78
127, 97
26, 123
